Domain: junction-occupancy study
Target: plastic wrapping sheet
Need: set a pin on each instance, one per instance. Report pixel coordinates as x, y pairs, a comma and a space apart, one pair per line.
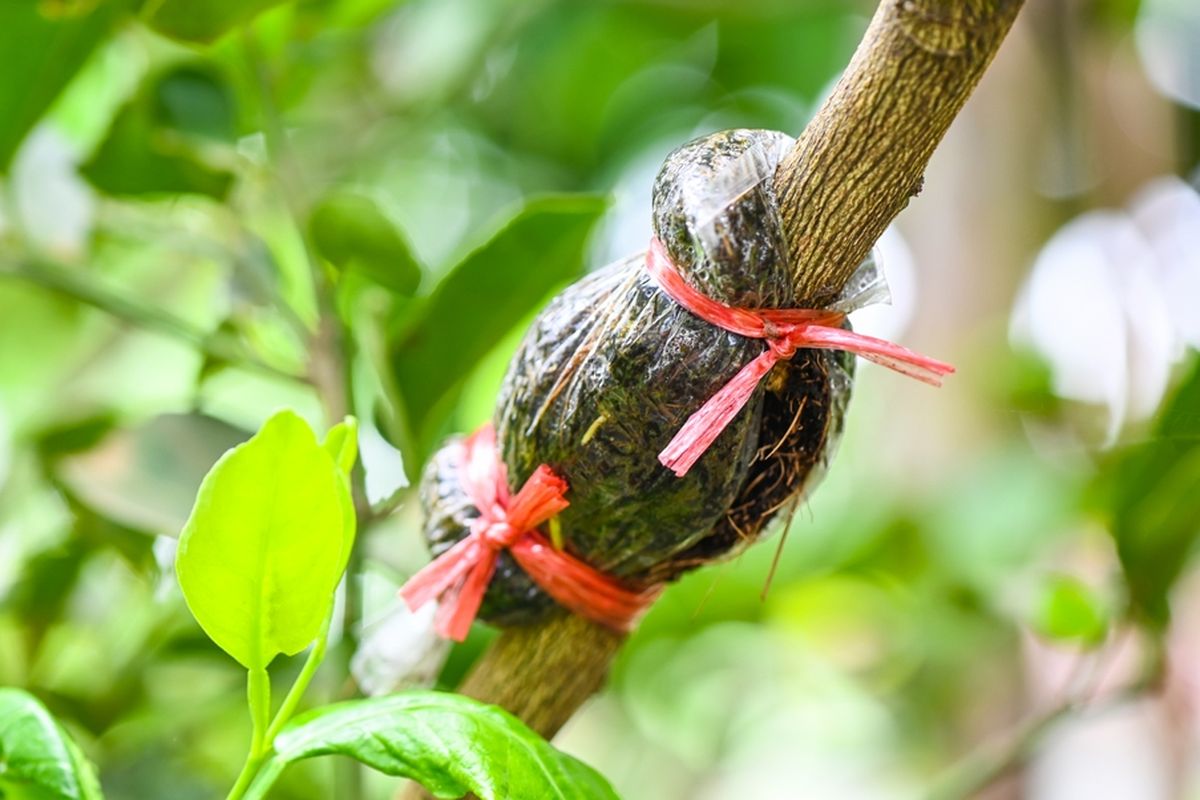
612, 367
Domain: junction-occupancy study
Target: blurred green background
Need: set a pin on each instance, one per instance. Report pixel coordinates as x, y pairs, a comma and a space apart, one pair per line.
356, 206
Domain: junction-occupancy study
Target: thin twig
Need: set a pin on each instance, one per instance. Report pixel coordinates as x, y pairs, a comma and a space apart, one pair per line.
993, 761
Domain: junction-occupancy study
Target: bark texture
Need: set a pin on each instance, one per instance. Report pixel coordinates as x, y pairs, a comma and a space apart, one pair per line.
864, 154
543, 672
853, 169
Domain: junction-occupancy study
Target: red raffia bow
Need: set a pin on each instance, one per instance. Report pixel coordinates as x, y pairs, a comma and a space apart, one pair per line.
785, 330
459, 577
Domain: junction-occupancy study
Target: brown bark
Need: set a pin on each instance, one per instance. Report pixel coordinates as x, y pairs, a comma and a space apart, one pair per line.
542, 673
850, 173
863, 156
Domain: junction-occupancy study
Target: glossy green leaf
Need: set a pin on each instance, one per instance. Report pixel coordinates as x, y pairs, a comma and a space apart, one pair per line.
152, 147
1150, 492
450, 744
37, 758
352, 233
202, 21
44, 45
1070, 610
485, 294
267, 543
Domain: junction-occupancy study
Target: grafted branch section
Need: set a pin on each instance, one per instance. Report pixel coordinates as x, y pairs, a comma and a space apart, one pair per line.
850, 173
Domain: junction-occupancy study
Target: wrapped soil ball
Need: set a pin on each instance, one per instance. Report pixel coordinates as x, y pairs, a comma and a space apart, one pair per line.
617, 363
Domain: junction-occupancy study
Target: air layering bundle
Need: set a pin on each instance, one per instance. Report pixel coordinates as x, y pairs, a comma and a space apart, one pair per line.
658, 414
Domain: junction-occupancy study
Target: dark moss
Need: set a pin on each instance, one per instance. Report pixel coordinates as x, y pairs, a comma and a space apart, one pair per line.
612, 368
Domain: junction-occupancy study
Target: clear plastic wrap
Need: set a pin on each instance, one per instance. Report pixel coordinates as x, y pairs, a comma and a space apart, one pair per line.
612, 368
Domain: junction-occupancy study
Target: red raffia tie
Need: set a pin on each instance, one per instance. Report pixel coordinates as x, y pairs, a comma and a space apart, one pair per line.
785, 330
459, 577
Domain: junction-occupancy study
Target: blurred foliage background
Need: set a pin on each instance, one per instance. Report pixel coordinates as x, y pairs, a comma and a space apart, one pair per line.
213, 209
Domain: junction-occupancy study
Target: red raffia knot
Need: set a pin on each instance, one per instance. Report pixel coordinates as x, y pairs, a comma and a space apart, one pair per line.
459, 577
785, 330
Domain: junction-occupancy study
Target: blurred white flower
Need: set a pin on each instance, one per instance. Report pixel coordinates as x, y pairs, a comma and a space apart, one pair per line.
1109, 303
1116, 756
1168, 42
398, 651
52, 205
1167, 211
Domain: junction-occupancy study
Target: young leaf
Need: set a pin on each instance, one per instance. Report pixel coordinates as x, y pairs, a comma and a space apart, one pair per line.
266, 543
451, 744
152, 145
1069, 610
342, 444
37, 758
487, 293
352, 233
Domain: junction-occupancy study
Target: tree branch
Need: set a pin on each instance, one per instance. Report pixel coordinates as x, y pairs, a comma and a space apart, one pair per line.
530, 672
850, 173
864, 154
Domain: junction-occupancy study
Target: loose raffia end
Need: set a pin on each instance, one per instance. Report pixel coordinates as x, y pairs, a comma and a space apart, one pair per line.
785, 332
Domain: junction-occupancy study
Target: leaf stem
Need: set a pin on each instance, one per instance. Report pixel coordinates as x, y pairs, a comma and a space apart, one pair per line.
259, 694
315, 656
258, 697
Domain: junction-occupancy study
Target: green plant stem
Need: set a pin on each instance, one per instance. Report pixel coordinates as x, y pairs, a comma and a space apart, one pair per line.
258, 697
65, 282
315, 656
249, 770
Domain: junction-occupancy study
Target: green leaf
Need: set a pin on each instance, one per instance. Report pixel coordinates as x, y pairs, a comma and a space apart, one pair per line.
484, 295
37, 758
352, 233
1149, 492
342, 444
197, 100
1069, 610
267, 543
44, 45
451, 744
202, 21
156, 142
